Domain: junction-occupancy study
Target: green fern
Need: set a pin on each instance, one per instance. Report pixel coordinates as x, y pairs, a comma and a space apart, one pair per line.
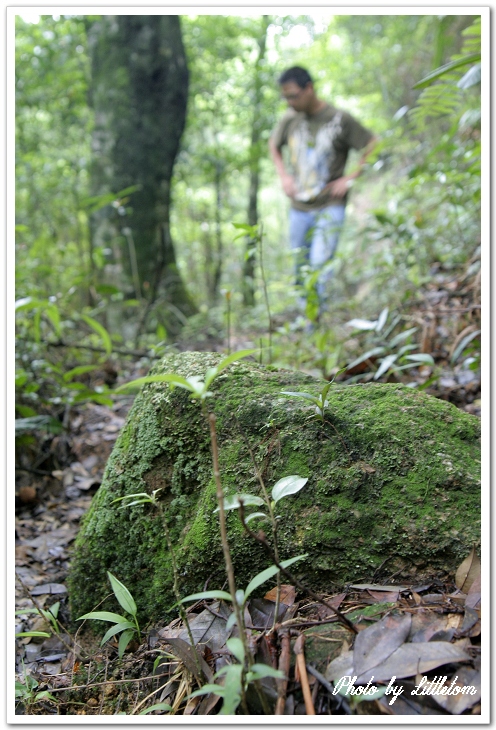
442, 94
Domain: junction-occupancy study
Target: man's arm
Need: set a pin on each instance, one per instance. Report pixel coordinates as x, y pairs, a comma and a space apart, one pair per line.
287, 181
338, 188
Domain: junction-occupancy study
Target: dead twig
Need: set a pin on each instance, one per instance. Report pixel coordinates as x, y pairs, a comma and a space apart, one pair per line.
303, 676
110, 681
284, 665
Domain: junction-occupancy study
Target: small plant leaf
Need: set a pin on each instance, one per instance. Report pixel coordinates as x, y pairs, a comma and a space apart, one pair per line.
79, 370
159, 706
421, 357
45, 695
100, 330
143, 500
210, 374
249, 500
365, 356
382, 319
463, 344
23, 611
33, 633
235, 646
259, 515
402, 336
259, 579
207, 689
385, 365
308, 396
166, 378
232, 358
362, 324
103, 616
124, 640
288, 485
450, 66
116, 629
230, 622
260, 671
122, 594
205, 595
232, 689
240, 596
130, 496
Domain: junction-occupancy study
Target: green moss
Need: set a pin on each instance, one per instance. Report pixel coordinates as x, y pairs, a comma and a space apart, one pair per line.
393, 477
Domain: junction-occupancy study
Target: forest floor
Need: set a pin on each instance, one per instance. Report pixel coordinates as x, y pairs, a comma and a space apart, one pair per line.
428, 626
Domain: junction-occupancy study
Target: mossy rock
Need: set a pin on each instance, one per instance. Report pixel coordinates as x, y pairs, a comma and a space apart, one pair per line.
393, 485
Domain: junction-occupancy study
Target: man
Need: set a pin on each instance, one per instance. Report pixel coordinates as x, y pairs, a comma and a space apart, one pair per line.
318, 137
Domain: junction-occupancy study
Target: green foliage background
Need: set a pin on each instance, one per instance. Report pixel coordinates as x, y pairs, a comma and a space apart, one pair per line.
417, 206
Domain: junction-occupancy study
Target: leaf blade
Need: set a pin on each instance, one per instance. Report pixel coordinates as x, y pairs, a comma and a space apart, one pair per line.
122, 594
288, 485
102, 616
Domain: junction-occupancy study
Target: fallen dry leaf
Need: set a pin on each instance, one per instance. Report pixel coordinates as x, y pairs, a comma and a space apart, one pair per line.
377, 642
474, 594
374, 587
386, 596
468, 571
406, 661
411, 658
456, 704
288, 595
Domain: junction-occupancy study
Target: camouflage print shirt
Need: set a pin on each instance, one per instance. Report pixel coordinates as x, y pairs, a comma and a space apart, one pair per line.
318, 146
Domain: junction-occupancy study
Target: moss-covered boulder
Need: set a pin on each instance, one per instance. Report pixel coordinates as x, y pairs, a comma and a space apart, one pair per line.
393, 485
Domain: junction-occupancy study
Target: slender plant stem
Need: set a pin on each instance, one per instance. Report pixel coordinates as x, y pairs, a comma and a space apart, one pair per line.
177, 594
228, 317
225, 547
273, 521
261, 538
266, 295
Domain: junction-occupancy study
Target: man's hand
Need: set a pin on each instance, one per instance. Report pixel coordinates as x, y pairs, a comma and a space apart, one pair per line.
339, 187
289, 185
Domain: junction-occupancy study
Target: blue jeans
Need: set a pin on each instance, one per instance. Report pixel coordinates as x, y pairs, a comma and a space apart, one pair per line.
313, 237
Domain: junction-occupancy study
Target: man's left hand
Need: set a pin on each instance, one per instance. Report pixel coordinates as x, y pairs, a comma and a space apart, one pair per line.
339, 187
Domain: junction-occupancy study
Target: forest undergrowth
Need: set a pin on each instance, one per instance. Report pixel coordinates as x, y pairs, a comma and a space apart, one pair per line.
63, 672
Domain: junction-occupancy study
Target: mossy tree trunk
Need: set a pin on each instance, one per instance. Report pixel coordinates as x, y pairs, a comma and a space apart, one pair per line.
139, 93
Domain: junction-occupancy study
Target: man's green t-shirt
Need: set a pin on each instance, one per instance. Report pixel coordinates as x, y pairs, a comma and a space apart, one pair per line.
318, 147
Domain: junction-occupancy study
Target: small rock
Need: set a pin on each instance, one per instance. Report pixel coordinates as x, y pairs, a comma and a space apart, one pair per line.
27, 495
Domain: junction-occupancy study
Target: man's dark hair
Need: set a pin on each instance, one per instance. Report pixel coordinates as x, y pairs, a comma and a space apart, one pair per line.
297, 74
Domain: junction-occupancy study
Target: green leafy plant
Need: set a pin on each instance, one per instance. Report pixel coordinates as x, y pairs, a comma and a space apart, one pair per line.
284, 487
237, 677
50, 615
130, 500
127, 626
198, 388
162, 706
255, 236
394, 352
25, 691
43, 381
319, 401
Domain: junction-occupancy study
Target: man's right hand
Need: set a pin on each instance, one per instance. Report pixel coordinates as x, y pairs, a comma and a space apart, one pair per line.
289, 185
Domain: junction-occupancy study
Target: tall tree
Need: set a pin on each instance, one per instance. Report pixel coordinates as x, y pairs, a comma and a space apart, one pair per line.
139, 94
257, 150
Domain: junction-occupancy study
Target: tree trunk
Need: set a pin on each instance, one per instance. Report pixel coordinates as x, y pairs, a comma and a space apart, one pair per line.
139, 93
255, 157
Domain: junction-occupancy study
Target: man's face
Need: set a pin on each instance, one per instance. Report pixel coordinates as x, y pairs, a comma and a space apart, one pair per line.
298, 98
